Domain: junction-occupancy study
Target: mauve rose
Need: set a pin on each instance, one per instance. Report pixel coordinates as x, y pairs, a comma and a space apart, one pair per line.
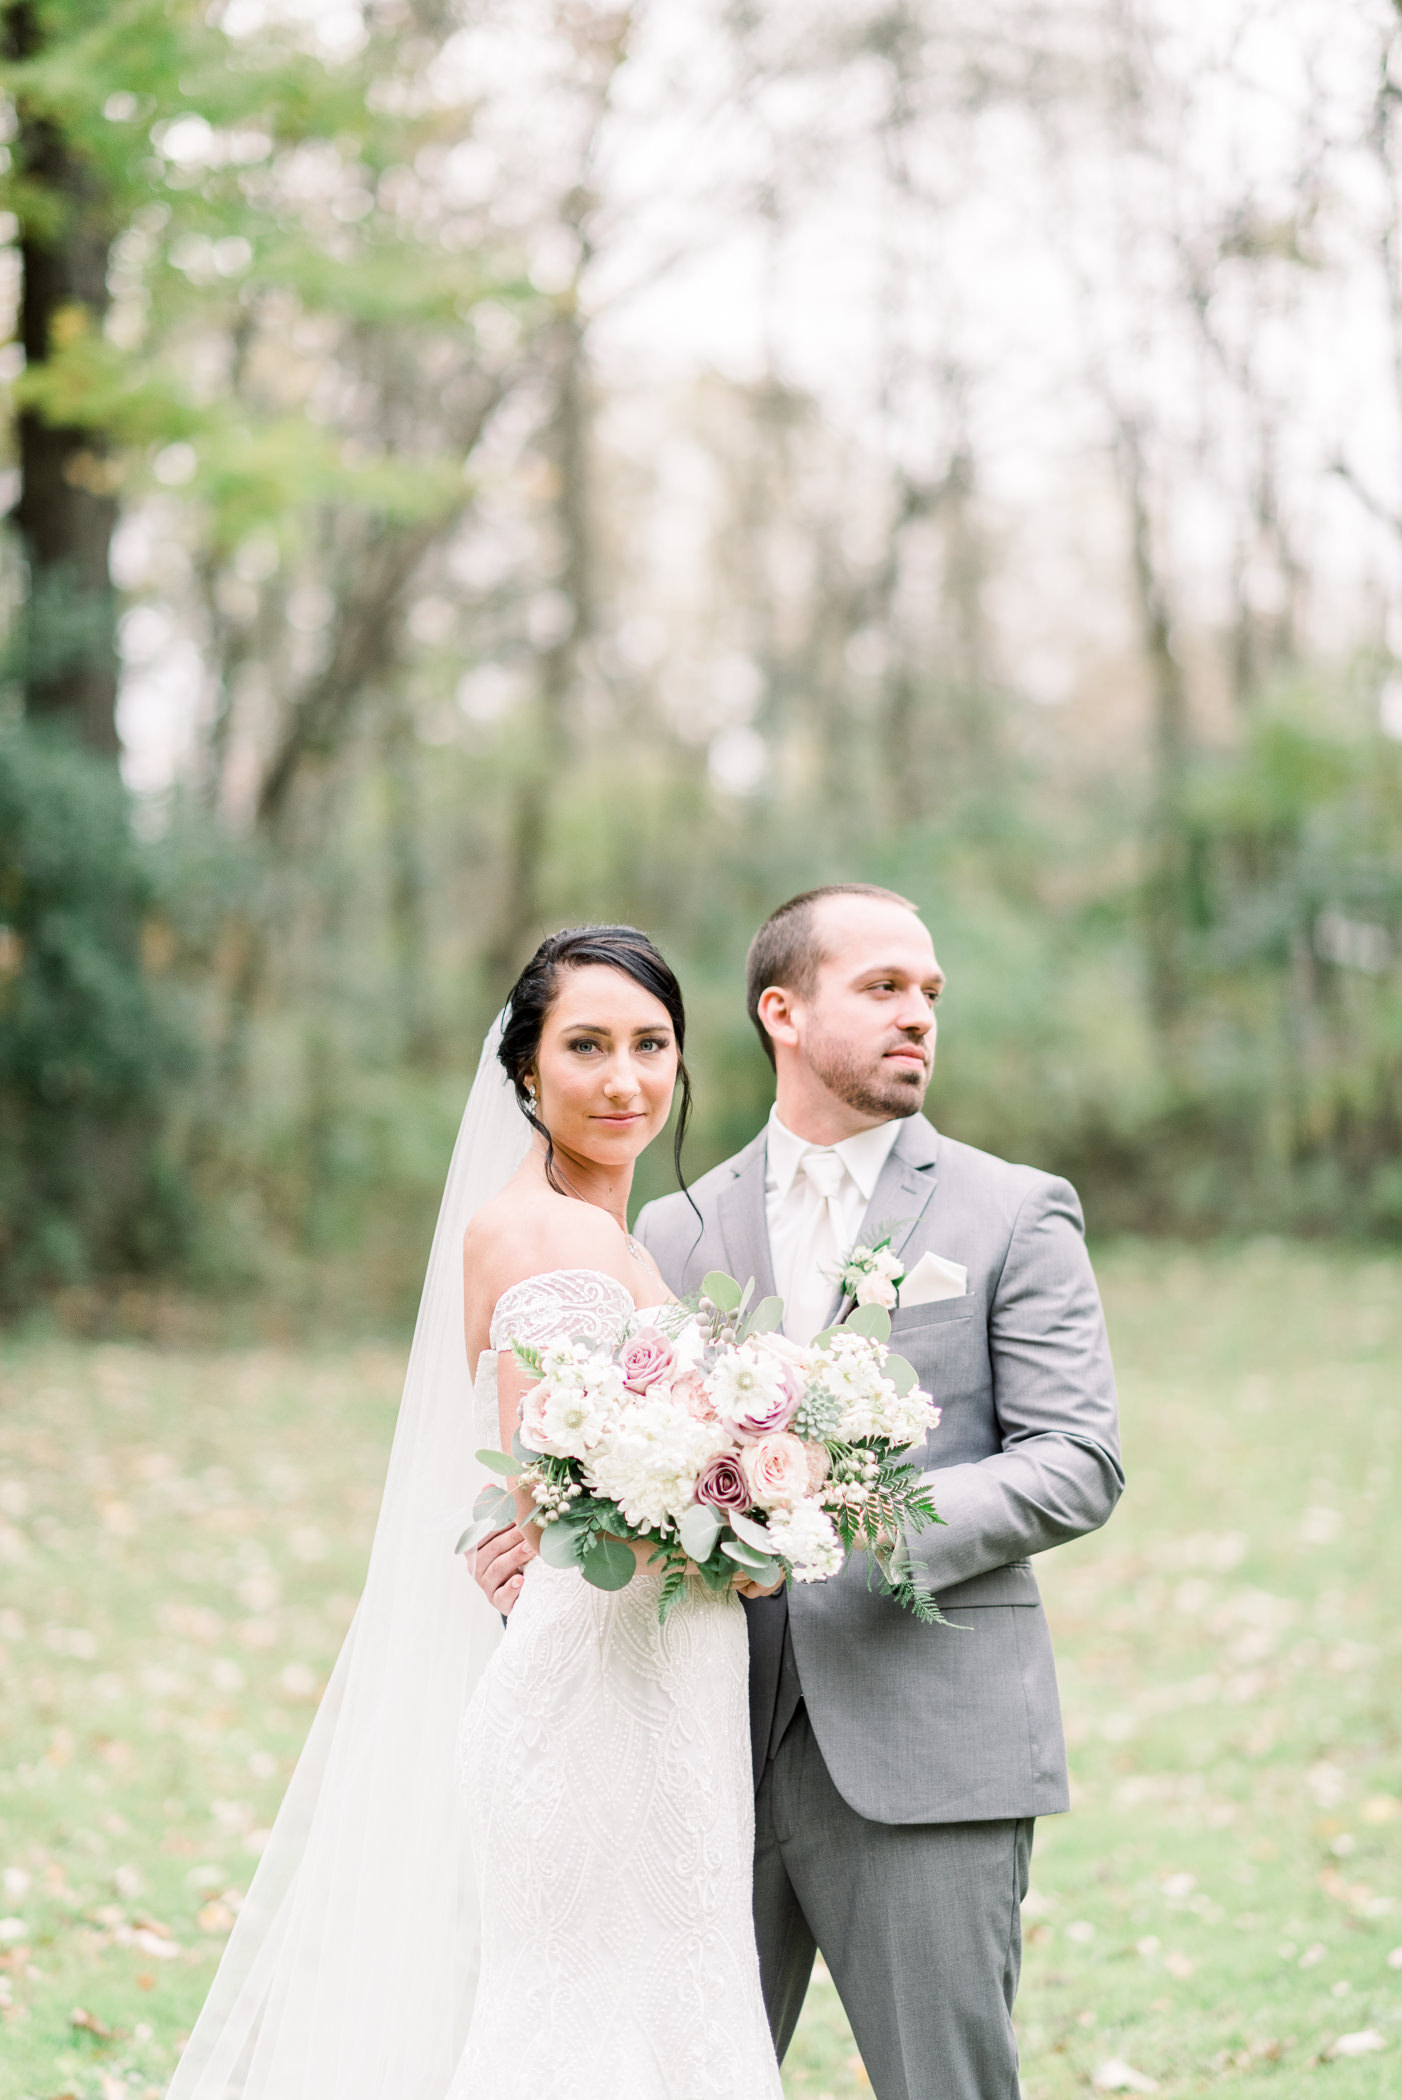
722, 1483
777, 1470
689, 1391
645, 1358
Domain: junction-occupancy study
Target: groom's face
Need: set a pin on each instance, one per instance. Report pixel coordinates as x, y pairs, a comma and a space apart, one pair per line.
867, 1031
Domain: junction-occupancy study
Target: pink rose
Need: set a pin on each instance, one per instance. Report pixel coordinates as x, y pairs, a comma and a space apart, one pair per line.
722, 1483
645, 1358
777, 1470
689, 1391
533, 1431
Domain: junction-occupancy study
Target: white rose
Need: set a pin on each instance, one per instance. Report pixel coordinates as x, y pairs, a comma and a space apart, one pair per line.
876, 1289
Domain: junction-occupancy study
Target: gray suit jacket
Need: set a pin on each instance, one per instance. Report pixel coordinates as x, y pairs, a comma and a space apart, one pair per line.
925, 1724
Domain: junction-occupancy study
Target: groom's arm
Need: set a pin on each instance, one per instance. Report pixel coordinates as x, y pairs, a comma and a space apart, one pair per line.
1058, 1474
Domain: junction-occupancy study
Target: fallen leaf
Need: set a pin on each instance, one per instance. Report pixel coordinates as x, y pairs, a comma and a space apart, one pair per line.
90, 2023
1117, 2076
1363, 2043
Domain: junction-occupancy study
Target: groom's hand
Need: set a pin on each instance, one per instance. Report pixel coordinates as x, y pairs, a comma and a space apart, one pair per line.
501, 1562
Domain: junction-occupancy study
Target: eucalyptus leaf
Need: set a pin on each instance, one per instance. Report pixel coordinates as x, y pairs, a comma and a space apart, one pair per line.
820, 1341
766, 1318
747, 1294
559, 1545
752, 1533
698, 1531
902, 1373
518, 1449
499, 1463
765, 1571
747, 1557
490, 1499
608, 1564
722, 1290
869, 1319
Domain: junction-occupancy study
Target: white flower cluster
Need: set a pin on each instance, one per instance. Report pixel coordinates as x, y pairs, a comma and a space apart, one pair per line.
649, 1461
807, 1538
852, 1368
871, 1275
570, 1412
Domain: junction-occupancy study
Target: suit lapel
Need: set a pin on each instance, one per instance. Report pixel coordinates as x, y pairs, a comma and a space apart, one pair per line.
903, 1191
743, 1225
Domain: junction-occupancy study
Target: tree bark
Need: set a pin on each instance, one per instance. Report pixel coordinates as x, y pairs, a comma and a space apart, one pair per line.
67, 509
1166, 887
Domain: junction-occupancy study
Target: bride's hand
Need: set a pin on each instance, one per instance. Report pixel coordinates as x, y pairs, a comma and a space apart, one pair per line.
747, 1588
500, 1566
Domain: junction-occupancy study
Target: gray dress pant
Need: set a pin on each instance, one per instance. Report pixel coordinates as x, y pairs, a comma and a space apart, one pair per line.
919, 1925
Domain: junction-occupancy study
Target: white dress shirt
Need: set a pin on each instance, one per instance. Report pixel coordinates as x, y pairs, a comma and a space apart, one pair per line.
787, 1196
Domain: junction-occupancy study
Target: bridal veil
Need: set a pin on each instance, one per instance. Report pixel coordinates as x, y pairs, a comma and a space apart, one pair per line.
350, 1972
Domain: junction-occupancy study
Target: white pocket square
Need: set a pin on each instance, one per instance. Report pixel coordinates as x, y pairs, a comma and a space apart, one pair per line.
933, 1278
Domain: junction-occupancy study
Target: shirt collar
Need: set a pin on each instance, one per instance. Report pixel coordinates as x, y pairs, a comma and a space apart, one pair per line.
863, 1155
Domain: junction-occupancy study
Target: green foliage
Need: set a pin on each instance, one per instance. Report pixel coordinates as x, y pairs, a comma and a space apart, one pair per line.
89, 1054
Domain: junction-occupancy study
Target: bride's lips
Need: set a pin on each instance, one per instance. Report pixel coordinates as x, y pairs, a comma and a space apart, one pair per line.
620, 1122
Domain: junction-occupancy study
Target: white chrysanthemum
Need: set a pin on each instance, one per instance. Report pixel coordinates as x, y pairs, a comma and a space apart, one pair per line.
649, 1461
749, 1387
807, 1538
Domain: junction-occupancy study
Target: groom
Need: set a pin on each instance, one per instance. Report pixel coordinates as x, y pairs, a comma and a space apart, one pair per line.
898, 1766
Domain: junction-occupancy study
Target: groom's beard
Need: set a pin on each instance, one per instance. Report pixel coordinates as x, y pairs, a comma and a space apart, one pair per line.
873, 1088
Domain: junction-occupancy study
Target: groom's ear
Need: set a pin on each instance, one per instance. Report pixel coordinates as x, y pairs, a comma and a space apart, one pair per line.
776, 1011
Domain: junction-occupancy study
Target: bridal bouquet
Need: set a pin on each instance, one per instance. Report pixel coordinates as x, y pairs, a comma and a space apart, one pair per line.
726, 1445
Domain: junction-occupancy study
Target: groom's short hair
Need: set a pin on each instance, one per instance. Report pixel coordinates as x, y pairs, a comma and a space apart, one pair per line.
788, 950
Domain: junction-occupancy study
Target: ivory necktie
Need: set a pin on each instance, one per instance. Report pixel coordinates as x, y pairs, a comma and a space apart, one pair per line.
818, 1256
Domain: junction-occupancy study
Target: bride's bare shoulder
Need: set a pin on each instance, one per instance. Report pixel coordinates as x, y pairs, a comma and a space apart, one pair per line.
524, 1232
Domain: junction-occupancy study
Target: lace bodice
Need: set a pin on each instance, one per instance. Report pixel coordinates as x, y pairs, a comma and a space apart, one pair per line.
587, 1302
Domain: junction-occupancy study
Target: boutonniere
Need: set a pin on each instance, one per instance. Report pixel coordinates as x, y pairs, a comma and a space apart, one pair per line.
873, 1275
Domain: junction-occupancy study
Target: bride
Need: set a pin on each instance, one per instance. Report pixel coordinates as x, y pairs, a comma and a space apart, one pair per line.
508, 1865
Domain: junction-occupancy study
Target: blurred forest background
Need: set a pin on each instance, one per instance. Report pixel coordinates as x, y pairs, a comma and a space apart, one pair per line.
480, 464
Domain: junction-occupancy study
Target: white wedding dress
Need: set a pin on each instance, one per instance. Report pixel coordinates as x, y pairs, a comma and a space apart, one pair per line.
607, 1766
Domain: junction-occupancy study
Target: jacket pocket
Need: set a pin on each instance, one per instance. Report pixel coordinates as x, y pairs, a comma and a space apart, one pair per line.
1013, 1584
942, 1312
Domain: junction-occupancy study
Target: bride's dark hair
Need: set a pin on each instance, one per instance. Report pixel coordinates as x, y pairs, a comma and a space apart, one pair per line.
537, 988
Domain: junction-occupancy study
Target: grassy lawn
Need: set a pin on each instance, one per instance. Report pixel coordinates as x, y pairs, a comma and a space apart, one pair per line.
181, 1540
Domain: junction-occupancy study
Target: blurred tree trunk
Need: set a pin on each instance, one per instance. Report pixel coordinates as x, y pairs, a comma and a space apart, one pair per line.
600, 45
67, 510
570, 611
1166, 885
408, 891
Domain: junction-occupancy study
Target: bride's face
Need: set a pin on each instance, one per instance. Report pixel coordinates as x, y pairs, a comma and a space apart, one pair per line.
606, 1066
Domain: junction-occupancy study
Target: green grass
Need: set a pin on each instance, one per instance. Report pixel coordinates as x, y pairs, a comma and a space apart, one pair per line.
181, 1540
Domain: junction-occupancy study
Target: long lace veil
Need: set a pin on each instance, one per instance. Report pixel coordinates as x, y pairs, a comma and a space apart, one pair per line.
350, 1972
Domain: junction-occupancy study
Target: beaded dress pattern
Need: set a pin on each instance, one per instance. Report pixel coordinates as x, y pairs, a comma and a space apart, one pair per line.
607, 1764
